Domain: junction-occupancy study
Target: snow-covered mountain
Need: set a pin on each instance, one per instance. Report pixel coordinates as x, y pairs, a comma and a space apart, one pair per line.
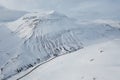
37, 37
94, 62
10, 15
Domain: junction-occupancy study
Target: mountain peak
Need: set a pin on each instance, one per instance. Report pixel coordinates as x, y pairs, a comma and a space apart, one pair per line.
44, 15
42, 22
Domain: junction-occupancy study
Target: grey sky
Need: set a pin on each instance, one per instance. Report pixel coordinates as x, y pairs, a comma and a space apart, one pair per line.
47, 4
77, 7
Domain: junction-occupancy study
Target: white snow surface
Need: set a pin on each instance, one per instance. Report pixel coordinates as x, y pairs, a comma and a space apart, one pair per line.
37, 37
95, 62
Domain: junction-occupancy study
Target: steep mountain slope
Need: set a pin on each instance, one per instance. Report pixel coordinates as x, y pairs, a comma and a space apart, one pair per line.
10, 15
37, 37
95, 62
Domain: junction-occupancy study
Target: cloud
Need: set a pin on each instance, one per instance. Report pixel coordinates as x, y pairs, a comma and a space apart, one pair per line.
56, 4
33, 4
9, 15
84, 8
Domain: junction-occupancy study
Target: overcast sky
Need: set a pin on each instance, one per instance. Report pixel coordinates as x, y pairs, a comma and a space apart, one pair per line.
35, 4
82, 7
